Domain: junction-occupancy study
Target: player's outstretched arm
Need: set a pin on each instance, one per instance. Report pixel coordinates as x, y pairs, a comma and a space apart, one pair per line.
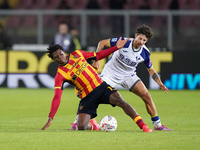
102, 54
164, 88
157, 79
48, 123
54, 107
100, 47
104, 43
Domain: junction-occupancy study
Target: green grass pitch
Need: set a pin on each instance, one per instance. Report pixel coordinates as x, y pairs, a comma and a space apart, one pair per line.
23, 112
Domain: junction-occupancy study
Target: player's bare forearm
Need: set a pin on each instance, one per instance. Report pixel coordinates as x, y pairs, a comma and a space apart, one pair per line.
100, 47
102, 44
154, 75
157, 79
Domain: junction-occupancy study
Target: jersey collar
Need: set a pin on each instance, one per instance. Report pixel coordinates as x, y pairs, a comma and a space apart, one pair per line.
135, 50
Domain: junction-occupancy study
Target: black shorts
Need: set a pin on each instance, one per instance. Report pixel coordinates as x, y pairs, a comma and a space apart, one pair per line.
99, 95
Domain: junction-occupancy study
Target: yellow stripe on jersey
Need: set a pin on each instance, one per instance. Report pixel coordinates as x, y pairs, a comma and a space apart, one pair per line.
79, 73
79, 86
87, 82
82, 77
64, 74
89, 88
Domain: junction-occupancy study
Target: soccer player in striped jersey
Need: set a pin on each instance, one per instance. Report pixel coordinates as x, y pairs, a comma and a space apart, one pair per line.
75, 69
121, 69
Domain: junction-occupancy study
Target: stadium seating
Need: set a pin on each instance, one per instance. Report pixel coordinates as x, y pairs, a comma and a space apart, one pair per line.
132, 4
104, 4
14, 21
52, 4
193, 4
80, 4
39, 4
24, 4
182, 4
153, 4
30, 21
164, 4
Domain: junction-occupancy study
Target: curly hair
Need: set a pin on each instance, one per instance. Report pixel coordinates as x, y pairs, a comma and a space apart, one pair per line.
53, 48
145, 30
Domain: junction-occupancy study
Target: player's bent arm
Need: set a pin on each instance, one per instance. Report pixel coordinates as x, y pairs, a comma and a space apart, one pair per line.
100, 47
102, 54
102, 44
54, 107
157, 79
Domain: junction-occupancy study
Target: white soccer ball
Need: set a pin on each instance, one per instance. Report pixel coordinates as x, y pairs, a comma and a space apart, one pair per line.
108, 123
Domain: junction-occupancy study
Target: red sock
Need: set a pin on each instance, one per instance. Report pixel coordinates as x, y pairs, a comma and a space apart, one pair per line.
137, 119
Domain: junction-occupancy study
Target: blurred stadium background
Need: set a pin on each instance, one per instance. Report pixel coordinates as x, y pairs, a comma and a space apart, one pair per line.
31, 25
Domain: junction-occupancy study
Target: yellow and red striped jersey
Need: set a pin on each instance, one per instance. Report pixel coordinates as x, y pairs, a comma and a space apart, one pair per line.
78, 72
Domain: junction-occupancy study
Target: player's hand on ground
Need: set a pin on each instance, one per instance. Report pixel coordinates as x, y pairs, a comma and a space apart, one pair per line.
48, 123
96, 64
164, 88
121, 43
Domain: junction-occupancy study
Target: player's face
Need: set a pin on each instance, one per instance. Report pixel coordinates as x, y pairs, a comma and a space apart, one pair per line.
59, 57
139, 40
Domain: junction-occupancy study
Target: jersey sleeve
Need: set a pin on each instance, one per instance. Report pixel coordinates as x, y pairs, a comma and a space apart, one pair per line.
148, 63
57, 95
58, 81
88, 55
146, 56
55, 102
113, 41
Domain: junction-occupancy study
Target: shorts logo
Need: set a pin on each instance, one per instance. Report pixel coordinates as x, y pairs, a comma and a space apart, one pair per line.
111, 88
137, 58
81, 107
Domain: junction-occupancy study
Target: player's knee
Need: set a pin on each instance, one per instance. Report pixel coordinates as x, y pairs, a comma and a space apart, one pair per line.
81, 128
120, 102
146, 96
116, 99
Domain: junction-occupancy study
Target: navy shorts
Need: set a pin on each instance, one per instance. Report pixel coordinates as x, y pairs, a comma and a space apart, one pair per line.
99, 95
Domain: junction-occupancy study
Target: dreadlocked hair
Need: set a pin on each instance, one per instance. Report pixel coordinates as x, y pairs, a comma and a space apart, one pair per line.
145, 30
52, 49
